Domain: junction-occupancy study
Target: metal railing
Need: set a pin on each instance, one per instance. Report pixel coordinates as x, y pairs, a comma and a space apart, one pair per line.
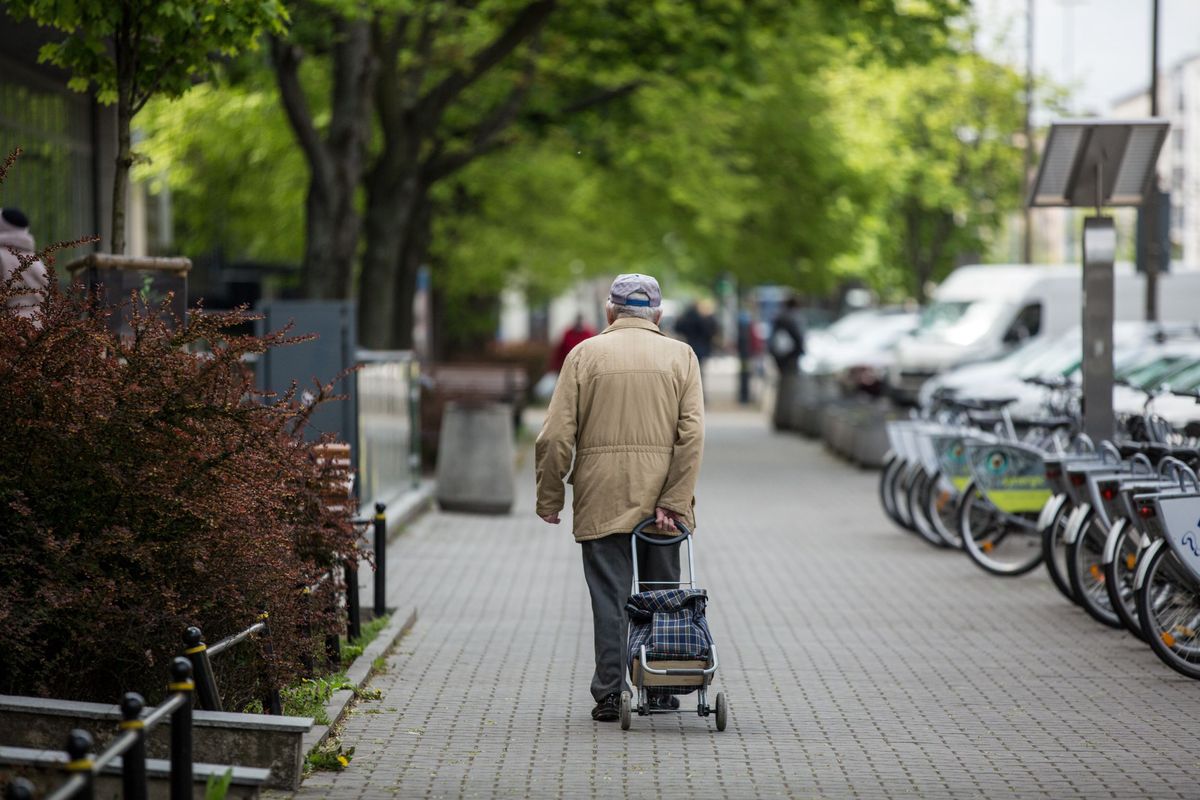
208, 693
130, 747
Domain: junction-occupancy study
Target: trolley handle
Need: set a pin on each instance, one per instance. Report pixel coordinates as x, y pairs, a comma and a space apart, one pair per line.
658, 540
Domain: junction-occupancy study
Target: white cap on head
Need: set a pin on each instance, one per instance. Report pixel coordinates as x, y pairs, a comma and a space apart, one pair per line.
634, 289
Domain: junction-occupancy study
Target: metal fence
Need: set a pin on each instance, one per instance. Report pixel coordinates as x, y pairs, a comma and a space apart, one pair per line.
389, 458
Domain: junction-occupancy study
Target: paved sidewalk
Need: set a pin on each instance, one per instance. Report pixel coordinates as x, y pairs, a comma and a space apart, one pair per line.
858, 661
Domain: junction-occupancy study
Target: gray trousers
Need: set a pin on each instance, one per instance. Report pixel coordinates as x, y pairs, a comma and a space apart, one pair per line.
608, 568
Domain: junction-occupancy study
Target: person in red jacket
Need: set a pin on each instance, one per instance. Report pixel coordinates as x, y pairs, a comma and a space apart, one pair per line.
571, 337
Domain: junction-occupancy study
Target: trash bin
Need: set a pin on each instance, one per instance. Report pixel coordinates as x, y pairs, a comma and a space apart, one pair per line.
475, 458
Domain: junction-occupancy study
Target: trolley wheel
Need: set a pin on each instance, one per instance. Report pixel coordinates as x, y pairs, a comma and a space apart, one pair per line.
722, 711
626, 717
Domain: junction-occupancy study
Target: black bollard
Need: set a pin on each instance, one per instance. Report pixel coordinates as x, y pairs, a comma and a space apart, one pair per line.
19, 789
79, 751
380, 560
353, 612
133, 764
207, 694
181, 730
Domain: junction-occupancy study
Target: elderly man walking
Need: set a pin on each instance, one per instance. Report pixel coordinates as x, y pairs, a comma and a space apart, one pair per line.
628, 406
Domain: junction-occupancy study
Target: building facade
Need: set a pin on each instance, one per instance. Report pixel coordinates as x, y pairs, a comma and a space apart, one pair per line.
63, 179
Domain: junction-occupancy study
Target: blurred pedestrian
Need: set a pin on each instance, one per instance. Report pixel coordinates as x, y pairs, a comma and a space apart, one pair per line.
786, 344
787, 336
572, 336
16, 245
699, 328
628, 412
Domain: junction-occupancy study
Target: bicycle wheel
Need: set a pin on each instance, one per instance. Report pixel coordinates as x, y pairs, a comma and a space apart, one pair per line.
915, 507
995, 541
1054, 553
1170, 609
891, 466
1120, 566
941, 508
1084, 572
900, 493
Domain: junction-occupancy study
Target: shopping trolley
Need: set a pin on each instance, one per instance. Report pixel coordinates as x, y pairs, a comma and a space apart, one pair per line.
669, 673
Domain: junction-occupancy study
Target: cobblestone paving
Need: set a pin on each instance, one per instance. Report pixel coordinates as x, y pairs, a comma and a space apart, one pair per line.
859, 662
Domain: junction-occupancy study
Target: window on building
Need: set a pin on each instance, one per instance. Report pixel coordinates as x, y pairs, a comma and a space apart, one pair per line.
52, 181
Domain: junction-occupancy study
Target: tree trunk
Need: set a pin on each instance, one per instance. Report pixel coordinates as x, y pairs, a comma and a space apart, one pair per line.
412, 257
331, 243
121, 173
391, 200
335, 160
125, 47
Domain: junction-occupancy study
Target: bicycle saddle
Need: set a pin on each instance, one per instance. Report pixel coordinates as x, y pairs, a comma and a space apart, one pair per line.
1043, 422
985, 404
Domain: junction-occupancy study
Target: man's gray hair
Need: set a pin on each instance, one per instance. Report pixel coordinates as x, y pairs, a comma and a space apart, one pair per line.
640, 312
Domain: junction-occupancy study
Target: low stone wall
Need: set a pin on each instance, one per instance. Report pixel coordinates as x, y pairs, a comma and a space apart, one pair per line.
250, 740
45, 770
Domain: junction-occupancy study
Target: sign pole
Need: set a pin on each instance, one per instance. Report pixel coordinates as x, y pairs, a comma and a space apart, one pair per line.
1099, 251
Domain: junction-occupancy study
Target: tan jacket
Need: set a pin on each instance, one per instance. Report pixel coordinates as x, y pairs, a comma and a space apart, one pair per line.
628, 403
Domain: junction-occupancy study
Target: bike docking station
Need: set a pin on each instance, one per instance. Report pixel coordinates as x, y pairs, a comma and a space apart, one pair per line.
1094, 162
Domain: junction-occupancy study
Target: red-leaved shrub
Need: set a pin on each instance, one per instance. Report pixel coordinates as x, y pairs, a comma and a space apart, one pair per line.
145, 487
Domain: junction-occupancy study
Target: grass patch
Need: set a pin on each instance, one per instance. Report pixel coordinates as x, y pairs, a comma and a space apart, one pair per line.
329, 757
308, 698
354, 648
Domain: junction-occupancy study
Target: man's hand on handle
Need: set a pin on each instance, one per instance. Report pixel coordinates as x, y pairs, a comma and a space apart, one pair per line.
665, 520
551, 518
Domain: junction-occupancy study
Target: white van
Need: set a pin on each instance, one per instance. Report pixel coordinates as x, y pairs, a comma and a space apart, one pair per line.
981, 312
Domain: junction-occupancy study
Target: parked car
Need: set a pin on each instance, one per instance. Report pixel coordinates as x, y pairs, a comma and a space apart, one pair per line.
1135, 346
981, 313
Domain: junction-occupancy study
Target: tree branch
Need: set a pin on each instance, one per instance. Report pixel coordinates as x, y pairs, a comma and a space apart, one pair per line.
603, 97
528, 21
287, 76
485, 136
353, 83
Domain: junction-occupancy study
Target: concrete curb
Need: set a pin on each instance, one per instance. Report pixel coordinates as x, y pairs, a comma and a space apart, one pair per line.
358, 673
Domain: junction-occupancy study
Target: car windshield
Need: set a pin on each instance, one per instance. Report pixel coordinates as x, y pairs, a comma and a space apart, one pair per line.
853, 325
960, 322
887, 328
1158, 370
1060, 357
1187, 380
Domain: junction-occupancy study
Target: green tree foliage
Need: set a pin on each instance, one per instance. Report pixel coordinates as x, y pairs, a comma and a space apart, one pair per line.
127, 51
237, 179
786, 152
940, 144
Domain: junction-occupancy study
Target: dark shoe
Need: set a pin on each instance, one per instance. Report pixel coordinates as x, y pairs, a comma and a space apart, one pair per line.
664, 702
608, 709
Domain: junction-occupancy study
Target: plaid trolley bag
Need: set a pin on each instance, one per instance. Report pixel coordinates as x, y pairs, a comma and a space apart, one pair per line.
670, 625
671, 651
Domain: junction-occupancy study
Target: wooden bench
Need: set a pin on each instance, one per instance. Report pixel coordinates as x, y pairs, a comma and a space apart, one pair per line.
467, 384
